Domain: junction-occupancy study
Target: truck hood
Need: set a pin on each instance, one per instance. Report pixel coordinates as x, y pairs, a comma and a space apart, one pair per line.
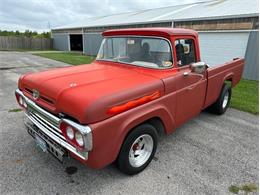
87, 92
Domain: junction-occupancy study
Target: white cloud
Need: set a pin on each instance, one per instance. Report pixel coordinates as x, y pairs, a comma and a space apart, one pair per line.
37, 14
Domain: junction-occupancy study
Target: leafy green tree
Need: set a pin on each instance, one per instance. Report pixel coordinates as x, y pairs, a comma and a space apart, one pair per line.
27, 33
17, 33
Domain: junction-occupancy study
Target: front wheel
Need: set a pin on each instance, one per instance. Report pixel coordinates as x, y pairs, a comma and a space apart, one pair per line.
222, 103
138, 149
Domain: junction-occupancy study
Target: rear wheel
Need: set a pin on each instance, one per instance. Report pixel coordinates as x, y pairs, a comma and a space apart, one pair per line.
138, 149
222, 103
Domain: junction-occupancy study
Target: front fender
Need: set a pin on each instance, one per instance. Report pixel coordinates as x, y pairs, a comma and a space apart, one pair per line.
108, 135
160, 111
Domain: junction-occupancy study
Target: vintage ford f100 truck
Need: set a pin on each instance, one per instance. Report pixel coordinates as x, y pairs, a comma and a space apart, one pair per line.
143, 81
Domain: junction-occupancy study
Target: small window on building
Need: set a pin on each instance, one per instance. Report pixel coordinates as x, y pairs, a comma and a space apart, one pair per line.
185, 52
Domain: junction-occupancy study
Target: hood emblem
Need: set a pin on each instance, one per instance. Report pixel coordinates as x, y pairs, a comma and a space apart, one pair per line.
35, 94
73, 84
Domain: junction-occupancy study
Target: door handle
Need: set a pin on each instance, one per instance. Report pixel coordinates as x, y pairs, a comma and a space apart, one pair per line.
185, 74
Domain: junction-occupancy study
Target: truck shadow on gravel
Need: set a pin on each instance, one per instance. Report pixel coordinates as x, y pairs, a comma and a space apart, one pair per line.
78, 173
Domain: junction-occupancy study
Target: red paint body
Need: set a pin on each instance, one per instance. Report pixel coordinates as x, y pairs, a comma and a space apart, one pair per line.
113, 97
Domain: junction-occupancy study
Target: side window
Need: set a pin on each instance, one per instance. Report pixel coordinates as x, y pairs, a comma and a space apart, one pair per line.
185, 51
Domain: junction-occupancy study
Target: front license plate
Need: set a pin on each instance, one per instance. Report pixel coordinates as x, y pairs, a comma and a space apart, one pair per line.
40, 143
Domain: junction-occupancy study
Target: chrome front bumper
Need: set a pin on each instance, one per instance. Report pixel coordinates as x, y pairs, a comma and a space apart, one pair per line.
48, 124
55, 149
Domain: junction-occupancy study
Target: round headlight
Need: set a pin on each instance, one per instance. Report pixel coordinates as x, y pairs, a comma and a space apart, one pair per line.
21, 101
79, 138
70, 132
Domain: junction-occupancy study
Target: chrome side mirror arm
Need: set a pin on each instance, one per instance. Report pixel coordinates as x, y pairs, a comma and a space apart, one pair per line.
199, 67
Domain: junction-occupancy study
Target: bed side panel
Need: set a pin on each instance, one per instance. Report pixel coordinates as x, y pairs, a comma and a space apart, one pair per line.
219, 74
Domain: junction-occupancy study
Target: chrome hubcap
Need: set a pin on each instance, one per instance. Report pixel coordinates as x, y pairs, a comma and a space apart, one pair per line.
225, 101
141, 150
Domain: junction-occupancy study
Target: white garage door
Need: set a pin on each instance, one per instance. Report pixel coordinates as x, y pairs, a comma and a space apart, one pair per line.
220, 47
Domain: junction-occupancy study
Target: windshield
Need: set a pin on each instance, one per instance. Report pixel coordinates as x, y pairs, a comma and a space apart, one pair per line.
139, 51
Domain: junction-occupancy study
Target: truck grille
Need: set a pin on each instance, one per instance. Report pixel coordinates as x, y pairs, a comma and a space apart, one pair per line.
46, 123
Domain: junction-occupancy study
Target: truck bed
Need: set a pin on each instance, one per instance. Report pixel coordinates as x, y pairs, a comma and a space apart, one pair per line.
217, 75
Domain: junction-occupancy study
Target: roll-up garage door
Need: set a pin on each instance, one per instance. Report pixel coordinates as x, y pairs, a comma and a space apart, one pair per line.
220, 47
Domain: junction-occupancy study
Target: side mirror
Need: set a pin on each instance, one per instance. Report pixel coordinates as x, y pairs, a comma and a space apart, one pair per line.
199, 67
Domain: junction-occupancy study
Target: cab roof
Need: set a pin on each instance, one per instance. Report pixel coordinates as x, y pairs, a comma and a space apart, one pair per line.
158, 32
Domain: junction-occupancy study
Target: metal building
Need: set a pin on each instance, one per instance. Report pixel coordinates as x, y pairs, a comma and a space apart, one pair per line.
227, 29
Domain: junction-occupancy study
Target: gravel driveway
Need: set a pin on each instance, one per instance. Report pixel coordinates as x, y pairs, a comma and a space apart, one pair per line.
204, 156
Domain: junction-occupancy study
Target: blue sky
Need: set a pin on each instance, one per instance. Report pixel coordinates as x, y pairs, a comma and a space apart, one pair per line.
40, 14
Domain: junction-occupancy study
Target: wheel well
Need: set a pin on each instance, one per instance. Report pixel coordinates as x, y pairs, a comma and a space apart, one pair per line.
157, 123
229, 81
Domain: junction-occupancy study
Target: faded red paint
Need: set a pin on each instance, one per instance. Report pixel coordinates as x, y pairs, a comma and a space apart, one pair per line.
112, 97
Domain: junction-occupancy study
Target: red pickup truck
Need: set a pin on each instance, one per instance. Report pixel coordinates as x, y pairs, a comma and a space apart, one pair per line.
144, 81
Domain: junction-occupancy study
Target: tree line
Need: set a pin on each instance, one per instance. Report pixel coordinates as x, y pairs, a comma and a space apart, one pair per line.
26, 33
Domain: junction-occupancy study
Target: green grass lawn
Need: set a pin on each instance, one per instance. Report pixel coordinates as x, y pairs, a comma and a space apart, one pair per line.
68, 57
245, 96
